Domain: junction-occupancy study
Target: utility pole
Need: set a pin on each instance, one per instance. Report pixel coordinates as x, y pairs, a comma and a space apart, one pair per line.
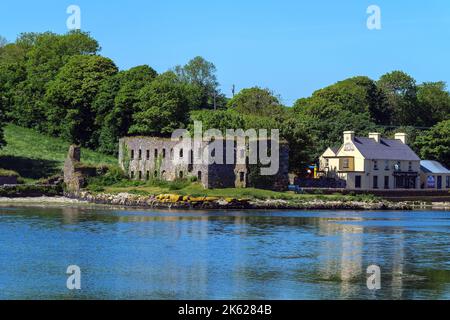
233, 89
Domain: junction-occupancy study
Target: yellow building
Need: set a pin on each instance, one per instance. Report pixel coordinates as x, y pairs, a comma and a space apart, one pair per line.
372, 163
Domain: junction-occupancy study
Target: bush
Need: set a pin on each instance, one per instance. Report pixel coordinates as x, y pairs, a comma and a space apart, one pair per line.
366, 197
8, 173
30, 191
178, 184
112, 176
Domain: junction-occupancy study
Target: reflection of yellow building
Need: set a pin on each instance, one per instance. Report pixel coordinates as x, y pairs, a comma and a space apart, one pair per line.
372, 163
398, 265
347, 258
343, 258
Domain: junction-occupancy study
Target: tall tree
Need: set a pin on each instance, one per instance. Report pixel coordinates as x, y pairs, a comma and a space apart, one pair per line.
434, 144
326, 118
162, 106
69, 98
13, 70
115, 105
257, 101
202, 74
357, 94
220, 119
48, 53
434, 100
401, 93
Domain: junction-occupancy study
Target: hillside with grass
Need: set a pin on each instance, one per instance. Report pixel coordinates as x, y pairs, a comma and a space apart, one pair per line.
35, 156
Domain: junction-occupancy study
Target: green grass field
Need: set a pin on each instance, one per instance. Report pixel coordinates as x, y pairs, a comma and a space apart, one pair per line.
35, 156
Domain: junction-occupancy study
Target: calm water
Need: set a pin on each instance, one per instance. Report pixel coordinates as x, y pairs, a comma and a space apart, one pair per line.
223, 255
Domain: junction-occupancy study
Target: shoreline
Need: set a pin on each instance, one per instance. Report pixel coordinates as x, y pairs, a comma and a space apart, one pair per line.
220, 203
125, 200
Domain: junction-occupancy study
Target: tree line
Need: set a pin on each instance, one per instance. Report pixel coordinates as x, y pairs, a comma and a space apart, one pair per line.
61, 86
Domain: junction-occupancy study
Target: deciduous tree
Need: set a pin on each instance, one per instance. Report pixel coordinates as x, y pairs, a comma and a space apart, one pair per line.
201, 74
162, 107
401, 93
434, 144
115, 105
69, 98
48, 53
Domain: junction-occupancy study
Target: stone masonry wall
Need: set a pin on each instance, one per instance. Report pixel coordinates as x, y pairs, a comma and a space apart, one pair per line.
144, 158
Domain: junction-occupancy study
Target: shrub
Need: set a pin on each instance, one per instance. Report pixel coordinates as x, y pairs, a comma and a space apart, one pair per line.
30, 191
8, 173
112, 176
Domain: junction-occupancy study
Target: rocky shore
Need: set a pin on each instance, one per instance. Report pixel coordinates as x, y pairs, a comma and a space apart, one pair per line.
202, 203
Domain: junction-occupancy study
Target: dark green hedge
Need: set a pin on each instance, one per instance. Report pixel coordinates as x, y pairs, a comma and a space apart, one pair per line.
30, 191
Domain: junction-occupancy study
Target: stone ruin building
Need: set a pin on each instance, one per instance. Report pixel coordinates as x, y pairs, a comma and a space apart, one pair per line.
146, 158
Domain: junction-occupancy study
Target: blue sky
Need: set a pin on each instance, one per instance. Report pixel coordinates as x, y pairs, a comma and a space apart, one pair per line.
290, 46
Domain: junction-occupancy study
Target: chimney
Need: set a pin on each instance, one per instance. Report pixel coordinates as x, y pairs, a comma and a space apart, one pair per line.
403, 137
349, 136
375, 136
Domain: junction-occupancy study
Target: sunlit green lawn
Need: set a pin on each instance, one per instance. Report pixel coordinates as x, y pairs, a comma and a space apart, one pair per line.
196, 190
34, 155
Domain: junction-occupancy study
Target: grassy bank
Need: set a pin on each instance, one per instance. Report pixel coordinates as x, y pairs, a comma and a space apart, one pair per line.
34, 156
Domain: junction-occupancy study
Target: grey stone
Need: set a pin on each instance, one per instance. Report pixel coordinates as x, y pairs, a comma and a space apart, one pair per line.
145, 158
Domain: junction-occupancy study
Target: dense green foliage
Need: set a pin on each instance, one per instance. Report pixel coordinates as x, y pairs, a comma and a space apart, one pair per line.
162, 107
61, 86
434, 101
353, 104
435, 143
69, 98
41, 58
257, 101
115, 106
200, 76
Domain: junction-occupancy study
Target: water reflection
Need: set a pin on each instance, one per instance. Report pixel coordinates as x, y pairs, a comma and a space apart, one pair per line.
223, 255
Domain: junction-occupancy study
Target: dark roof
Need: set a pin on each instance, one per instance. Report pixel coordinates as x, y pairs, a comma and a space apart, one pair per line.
386, 149
430, 166
335, 149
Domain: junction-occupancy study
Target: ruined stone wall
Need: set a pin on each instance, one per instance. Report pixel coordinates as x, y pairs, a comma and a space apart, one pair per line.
71, 179
282, 178
221, 176
75, 173
279, 181
145, 158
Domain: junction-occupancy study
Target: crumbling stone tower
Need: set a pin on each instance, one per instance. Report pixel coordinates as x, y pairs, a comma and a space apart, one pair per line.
76, 174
